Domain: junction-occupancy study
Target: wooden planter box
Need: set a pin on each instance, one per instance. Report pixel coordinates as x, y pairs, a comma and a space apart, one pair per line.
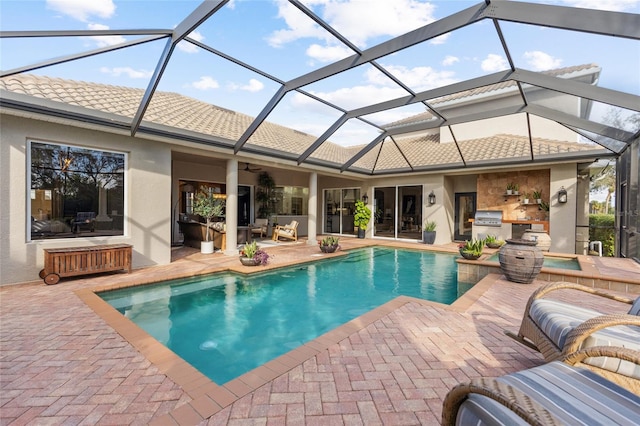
69, 262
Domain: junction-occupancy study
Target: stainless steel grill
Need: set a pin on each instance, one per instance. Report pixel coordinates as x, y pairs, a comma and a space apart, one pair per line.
488, 218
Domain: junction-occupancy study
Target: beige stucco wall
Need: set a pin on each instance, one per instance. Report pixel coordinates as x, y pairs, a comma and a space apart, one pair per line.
562, 217
147, 215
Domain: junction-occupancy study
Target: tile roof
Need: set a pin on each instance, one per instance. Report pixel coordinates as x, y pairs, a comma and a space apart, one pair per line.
179, 111
566, 72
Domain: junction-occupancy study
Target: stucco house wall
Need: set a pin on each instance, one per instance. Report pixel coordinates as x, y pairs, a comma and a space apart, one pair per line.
147, 208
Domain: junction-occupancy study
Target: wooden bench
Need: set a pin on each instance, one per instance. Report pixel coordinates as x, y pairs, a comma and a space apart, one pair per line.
69, 262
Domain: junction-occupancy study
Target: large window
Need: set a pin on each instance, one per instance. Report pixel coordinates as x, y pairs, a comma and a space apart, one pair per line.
75, 192
291, 200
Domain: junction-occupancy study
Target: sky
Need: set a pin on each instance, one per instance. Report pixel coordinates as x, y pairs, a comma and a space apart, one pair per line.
277, 38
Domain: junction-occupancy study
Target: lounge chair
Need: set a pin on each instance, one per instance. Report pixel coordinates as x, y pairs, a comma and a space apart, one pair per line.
289, 231
560, 392
260, 227
556, 328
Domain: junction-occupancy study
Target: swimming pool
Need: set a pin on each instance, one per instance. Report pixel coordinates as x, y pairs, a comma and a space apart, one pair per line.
227, 324
570, 263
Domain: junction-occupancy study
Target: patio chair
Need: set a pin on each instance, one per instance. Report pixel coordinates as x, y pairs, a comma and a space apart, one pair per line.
560, 392
260, 227
556, 328
289, 231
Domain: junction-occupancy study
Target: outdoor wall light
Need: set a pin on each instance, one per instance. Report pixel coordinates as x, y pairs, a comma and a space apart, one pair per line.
365, 199
562, 195
432, 198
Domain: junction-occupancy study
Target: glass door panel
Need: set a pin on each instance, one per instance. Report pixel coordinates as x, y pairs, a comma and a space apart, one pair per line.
349, 197
339, 207
409, 221
332, 211
465, 209
385, 208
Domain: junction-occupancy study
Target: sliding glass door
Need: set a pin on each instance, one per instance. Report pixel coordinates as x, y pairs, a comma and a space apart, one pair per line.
398, 212
338, 210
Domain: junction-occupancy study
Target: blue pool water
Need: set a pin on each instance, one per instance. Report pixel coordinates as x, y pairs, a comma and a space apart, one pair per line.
570, 263
227, 324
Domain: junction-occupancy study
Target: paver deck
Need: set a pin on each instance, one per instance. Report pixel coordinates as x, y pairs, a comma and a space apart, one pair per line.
68, 359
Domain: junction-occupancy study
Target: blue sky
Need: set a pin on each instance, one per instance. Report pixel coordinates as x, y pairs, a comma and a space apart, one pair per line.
280, 40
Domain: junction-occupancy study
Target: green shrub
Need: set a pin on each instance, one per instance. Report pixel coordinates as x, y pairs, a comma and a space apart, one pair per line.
602, 228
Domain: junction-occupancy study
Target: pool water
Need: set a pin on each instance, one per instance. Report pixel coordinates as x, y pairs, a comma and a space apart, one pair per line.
570, 263
227, 324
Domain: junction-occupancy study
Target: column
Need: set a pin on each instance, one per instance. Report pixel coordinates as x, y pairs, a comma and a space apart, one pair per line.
102, 210
312, 209
231, 216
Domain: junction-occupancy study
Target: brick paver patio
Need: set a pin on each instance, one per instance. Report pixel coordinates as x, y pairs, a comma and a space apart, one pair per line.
62, 362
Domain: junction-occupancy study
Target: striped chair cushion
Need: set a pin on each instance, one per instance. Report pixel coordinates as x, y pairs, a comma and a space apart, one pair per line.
575, 396
635, 308
556, 319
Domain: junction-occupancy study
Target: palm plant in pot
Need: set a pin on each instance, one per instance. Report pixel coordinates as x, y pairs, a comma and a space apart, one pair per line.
361, 218
429, 232
207, 206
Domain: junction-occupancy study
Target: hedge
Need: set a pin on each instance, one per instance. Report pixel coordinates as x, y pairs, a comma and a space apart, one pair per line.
602, 228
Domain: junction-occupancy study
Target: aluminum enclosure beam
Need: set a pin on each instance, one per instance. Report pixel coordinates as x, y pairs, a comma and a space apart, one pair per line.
184, 28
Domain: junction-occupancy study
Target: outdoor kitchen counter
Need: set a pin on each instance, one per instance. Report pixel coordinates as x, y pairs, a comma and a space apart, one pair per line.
544, 223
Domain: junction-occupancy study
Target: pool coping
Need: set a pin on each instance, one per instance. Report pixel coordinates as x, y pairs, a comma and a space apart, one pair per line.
208, 397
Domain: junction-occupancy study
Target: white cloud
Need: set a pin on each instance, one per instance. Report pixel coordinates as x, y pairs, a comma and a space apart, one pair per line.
450, 60
128, 71
253, 86
104, 41
358, 21
205, 83
493, 63
298, 26
187, 47
354, 97
417, 78
540, 61
440, 39
328, 53
83, 10
610, 5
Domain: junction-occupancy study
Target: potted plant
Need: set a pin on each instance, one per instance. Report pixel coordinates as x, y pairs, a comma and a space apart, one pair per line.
471, 249
510, 188
525, 197
264, 195
493, 242
537, 195
544, 206
515, 188
251, 255
361, 218
208, 207
329, 244
429, 231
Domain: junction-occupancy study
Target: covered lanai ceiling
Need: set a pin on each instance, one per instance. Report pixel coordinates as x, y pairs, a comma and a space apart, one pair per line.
361, 86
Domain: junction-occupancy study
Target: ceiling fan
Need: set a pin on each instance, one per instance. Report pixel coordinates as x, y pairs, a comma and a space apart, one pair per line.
248, 168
